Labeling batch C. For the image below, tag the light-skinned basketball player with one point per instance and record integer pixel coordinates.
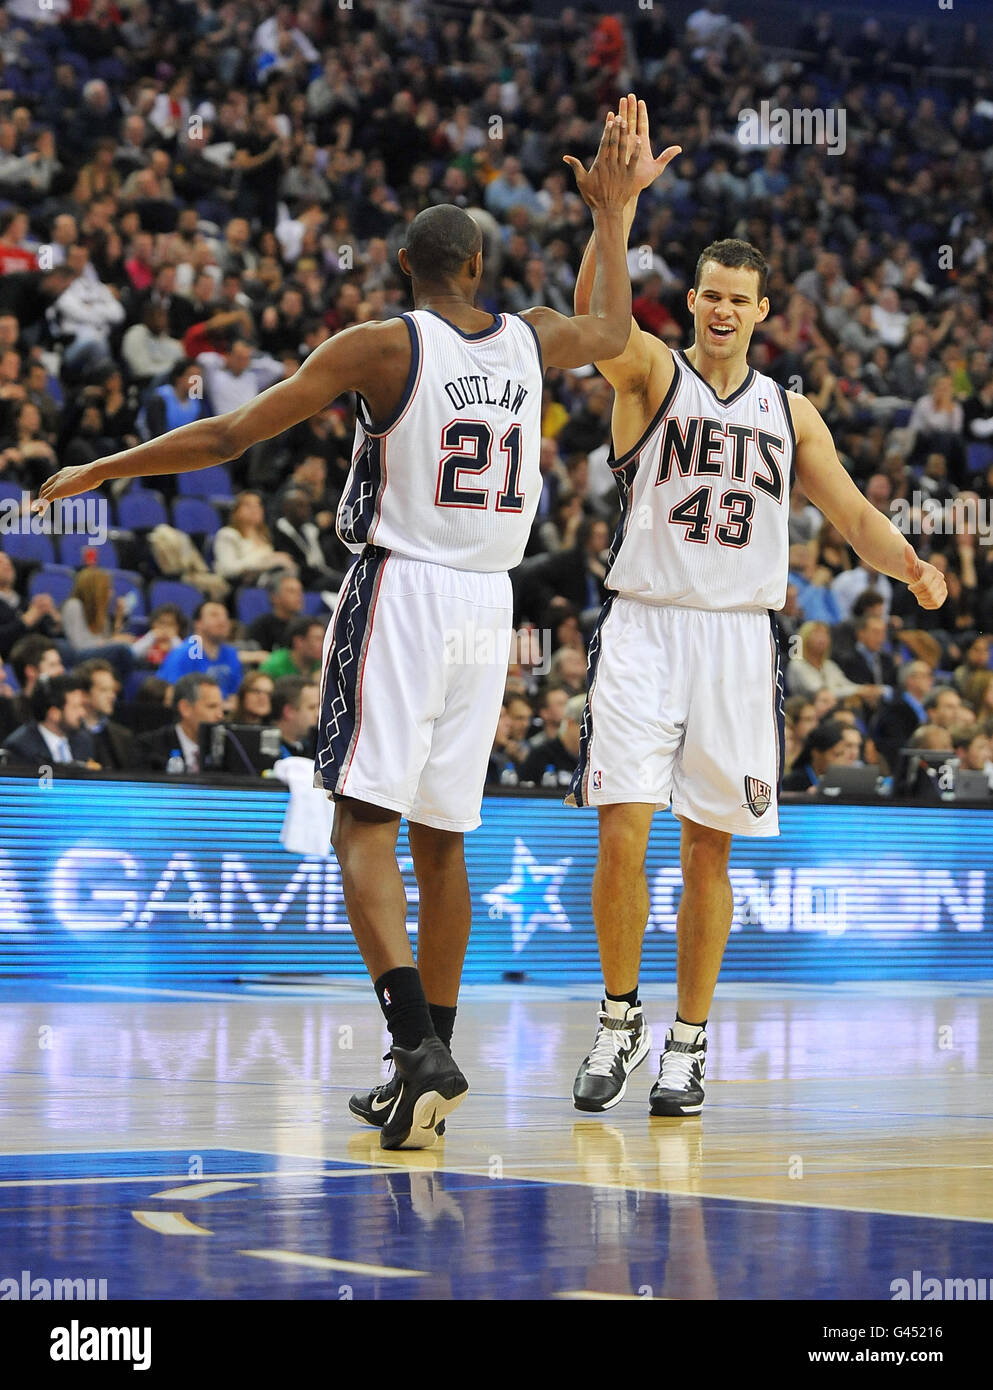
(453, 395)
(684, 699)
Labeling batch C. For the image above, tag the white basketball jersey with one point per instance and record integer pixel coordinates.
(453, 478)
(705, 496)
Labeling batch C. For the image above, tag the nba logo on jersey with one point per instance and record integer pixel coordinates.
(764, 404)
(758, 796)
(596, 780)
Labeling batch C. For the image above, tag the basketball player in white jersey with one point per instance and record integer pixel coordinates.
(438, 506)
(684, 695)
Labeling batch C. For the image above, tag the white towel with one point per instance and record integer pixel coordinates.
(309, 811)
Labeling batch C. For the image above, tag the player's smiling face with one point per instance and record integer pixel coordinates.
(725, 309)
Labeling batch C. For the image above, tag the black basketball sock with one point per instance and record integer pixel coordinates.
(401, 998)
(443, 1019)
(630, 999)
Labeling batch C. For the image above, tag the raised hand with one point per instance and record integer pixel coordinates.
(926, 583)
(610, 181)
(647, 168)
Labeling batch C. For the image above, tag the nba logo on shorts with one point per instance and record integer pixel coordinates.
(758, 796)
(596, 780)
(764, 404)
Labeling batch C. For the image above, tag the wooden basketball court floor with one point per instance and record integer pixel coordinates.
(195, 1144)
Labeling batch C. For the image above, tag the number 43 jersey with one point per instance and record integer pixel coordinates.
(453, 477)
(705, 497)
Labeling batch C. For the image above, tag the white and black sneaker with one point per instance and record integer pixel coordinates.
(427, 1086)
(622, 1042)
(373, 1107)
(679, 1087)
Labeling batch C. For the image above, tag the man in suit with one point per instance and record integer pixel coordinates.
(868, 664)
(295, 709)
(54, 733)
(32, 657)
(897, 719)
(300, 537)
(113, 743)
(196, 700)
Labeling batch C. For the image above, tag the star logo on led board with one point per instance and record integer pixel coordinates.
(530, 897)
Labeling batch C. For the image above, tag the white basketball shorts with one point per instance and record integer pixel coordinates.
(413, 675)
(684, 705)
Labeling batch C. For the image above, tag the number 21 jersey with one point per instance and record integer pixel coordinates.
(705, 498)
(454, 477)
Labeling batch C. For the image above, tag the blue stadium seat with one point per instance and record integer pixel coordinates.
(130, 582)
(901, 417)
(978, 457)
(72, 546)
(141, 509)
(195, 517)
(206, 482)
(56, 580)
(184, 596)
(251, 603)
(11, 492)
(314, 606)
(27, 547)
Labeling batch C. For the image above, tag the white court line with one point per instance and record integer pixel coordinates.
(195, 1192)
(149, 990)
(689, 1196)
(614, 1297)
(169, 1223)
(292, 1257)
(184, 1177)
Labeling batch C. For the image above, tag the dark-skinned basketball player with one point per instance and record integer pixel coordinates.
(438, 506)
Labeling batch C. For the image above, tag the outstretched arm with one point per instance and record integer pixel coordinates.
(630, 370)
(347, 362)
(602, 332)
(873, 536)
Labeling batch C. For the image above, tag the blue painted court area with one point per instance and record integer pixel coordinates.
(299, 1229)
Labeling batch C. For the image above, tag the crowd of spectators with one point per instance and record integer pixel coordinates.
(193, 196)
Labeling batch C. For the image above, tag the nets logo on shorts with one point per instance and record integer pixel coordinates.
(758, 796)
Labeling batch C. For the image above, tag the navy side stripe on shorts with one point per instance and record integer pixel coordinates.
(578, 785)
(779, 700)
(340, 716)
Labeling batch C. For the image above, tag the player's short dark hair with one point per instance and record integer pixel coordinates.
(736, 255)
(440, 240)
(29, 652)
(52, 690)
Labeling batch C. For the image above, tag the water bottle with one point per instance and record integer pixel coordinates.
(177, 762)
(550, 778)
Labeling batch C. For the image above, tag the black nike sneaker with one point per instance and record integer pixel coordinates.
(622, 1043)
(372, 1107)
(427, 1086)
(679, 1087)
